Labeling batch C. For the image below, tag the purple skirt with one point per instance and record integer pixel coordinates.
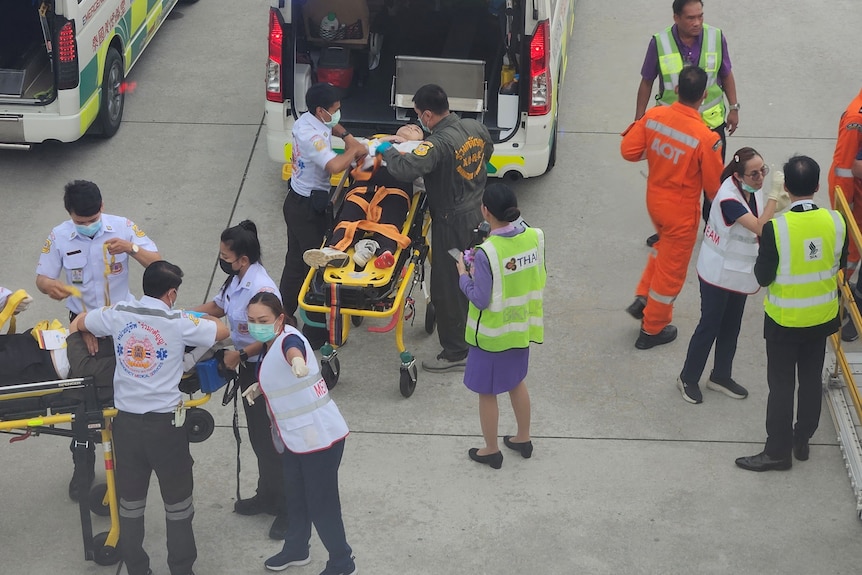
(491, 372)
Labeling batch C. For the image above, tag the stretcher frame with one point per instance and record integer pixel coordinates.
(409, 263)
(839, 385)
(90, 423)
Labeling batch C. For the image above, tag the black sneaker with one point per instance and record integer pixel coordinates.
(647, 341)
(636, 309)
(282, 560)
(253, 506)
(278, 530)
(728, 387)
(690, 391)
(650, 241)
(348, 570)
(848, 332)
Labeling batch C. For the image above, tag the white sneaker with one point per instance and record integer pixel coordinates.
(322, 257)
(364, 251)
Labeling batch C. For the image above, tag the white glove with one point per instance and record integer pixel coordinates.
(777, 185)
(252, 393)
(23, 305)
(298, 367)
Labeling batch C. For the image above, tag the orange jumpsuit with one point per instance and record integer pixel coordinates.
(684, 157)
(848, 145)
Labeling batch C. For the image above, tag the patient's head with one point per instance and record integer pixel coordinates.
(410, 132)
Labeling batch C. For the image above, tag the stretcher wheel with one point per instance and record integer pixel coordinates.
(430, 318)
(356, 320)
(104, 554)
(97, 500)
(199, 424)
(331, 370)
(408, 380)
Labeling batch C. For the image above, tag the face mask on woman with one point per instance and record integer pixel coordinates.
(226, 267)
(262, 332)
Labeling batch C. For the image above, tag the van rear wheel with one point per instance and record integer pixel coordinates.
(113, 96)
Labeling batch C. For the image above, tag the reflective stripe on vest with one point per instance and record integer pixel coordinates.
(673, 133)
(513, 317)
(805, 290)
(670, 65)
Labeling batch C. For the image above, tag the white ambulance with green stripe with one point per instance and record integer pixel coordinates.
(63, 64)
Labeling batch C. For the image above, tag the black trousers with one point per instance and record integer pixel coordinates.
(451, 230)
(722, 133)
(720, 319)
(784, 362)
(145, 444)
(270, 482)
(306, 228)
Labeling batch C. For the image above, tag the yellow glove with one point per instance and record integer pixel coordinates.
(298, 367)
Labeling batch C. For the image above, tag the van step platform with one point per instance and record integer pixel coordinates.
(11, 83)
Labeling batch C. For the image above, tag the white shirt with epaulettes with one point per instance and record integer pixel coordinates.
(87, 264)
(234, 301)
(304, 417)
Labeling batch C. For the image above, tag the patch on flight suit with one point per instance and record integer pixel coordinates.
(47, 247)
(116, 268)
(422, 149)
(318, 143)
(138, 231)
(717, 146)
(855, 126)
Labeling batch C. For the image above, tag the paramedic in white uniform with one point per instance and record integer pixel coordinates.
(239, 257)
(150, 340)
(304, 207)
(85, 251)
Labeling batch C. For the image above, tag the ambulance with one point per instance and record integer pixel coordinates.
(63, 65)
(501, 62)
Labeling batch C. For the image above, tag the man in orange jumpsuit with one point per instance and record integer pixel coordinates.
(684, 157)
(840, 174)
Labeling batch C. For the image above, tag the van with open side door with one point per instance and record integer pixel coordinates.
(501, 62)
(63, 64)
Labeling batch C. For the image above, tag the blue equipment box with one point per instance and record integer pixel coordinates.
(211, 380)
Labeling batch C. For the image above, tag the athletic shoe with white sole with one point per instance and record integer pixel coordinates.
(322, 257)
(728, 387)
(364, 251)
(690, 391)
(282, 561)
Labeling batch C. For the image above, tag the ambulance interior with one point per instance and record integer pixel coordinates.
(380, 51)
(26, 75)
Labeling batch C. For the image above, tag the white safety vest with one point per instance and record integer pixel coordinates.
(728, 253)
(304, 417)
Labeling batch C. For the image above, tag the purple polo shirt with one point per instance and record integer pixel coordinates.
(690, 55)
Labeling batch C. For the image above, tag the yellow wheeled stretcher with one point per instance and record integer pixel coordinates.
(347, 294)
(28, 409)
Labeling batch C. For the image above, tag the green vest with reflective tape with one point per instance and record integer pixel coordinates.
(805, 290)
(513, 318)
(670, 65)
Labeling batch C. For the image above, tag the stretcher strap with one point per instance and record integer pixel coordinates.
(8, 311)
(336, 320)
(109, 265)
(373, 213)
(360, 175)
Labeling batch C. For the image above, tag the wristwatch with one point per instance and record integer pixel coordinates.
(344, 135)
(135, 249)
(243, 356)
(734, 106)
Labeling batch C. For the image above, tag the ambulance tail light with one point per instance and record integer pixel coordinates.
(273, 64)
(67, 57)
(540, 70)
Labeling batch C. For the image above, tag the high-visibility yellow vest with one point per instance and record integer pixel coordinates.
(670, 64)
(513, 318)
(805, 290)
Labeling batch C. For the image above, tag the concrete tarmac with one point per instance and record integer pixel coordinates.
(626, 477)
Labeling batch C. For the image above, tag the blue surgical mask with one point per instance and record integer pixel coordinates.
(333, 119)
(89, 230)
(748, 188)
(262, 331)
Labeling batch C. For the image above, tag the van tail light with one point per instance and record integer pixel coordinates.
(540, 72)
(67, 57)
(273, 64)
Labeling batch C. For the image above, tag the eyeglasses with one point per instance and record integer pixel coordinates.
(757, 174)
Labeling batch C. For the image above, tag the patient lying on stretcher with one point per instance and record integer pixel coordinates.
(373, 213)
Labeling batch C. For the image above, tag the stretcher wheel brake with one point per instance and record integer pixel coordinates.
(104, 554)
(330, 369)
(407, 384)
(97, 500)
(199, 424)
(430, 318)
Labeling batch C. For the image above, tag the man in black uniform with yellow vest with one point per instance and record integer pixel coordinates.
(452, 160)
(800, 254)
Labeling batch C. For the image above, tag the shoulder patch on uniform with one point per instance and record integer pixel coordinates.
(138, 231)
(855, 126)
(319, 143)
(422, 149)
(717, 146)
(47, 247)
(194, 318)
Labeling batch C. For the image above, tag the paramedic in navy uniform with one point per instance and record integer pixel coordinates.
(308, 190)
(239, 257)
(150, 340)
(85, 251)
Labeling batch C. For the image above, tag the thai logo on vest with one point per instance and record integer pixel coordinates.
(813, 249)
(521, 261)
(140, 350)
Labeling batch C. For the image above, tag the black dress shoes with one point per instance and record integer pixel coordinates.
(800, 450)
(636, 309)
(495, 460)
(253, 506)
(762, 462)
(524, 448)
(647, 341)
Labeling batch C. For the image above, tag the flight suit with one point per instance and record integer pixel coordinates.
(846, 148)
